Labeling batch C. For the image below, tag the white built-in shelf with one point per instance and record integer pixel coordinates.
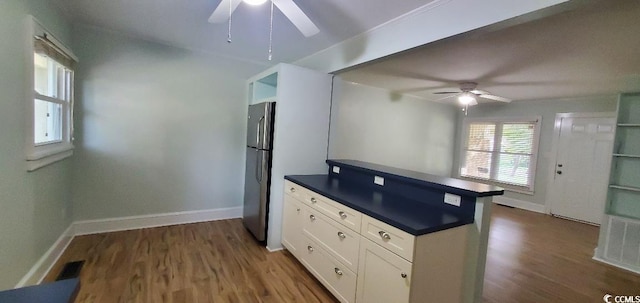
(629, 188)
(628, 124)
(626, 156)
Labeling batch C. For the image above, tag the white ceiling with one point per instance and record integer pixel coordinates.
(184, 24)
(591, 50)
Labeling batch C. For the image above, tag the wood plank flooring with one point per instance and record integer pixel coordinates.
(532, 258)
(203, 262)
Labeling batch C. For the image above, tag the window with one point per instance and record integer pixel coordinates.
(51, 102)
(503, 151)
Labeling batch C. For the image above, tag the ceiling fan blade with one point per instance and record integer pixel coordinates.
(480, 92)
(221, 13)
(442, 93)
(297, 17)
(496, 98)
(447, 97)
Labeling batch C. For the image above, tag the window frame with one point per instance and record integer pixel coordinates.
(42, 154)
(499, 122)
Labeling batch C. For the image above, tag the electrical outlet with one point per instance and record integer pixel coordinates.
(452, 199)
(336, 169)
(378, 180)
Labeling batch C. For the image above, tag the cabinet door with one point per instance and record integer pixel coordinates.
(382, 275)
(292, 225)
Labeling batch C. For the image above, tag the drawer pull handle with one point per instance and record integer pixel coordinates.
(310, 248)
(312, 217)
(384, 235)
(293, 190)
(342, 215)
(403, 275)
(338, 271)
(313, 200)
(297, 209)
(341, 235)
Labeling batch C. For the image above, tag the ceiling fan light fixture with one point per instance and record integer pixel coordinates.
(466, 98)
(254, 2)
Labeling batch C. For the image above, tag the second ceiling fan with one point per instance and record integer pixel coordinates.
(468, 94)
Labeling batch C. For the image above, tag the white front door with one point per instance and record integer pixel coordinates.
(581, 174)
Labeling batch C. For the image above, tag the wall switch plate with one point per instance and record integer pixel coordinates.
(378, 180)
(336, 169)
(452, 199)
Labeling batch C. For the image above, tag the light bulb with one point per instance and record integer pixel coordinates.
(254, 2)
(466, 98)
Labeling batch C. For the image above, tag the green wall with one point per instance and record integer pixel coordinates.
(159, 129)
(35, 206)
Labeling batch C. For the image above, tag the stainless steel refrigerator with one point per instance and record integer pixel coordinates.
(258, 168)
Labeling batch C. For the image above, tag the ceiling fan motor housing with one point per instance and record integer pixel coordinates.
(468, 86)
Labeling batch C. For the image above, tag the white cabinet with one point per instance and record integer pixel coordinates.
(291, 236)
(382, 276)
(361, 259)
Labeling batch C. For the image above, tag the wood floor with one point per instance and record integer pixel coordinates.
(532, 258)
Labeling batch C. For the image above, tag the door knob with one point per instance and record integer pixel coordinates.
(341, 235)
(559, 172)
(312, 217)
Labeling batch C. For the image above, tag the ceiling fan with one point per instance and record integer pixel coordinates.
(468, 94)
(292, 11)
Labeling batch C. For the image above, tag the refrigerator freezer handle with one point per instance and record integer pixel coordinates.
(259, 128)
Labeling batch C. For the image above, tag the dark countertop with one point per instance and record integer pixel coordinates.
(63, 291)
(451, 185)
(408, 215)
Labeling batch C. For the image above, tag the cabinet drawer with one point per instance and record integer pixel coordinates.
(388, 237)
(336, 211)
(340, 281)
(341, 242)
(295, 190)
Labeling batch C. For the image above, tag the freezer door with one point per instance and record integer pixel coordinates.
(259, 125)
(256, 190)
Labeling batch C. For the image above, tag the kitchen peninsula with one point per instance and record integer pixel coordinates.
(372, 233)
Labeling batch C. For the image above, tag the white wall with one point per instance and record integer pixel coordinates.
(436, 20)
(547, 109)
(374, 125)
(35, 206)
(158, 129)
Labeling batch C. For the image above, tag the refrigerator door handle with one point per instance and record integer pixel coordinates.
(258, 129)
(259, 165)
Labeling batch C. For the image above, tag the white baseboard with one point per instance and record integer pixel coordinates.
(618, 265)
(46, 262)
(274, 249)
(146, 221)
(530, 206)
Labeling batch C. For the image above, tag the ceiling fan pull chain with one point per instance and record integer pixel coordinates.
(271, 34)
(229, 34)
